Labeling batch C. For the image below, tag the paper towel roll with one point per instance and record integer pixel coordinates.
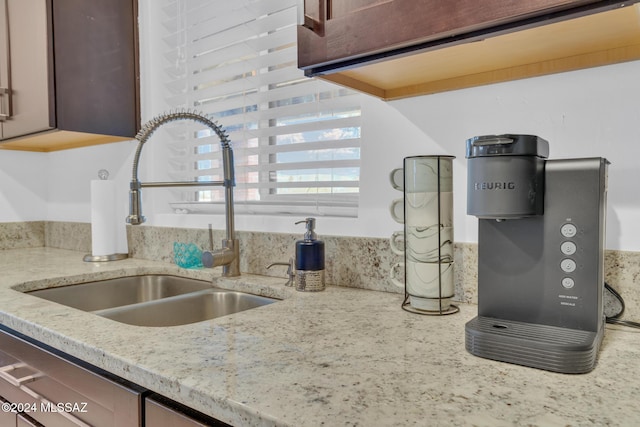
(104, 218)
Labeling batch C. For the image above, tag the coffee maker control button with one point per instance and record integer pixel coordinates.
(568, 248)
(568, 230)
(568, 282)
(568, 265)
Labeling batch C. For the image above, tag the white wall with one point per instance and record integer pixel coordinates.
(69, 187)
(585, 113)
(23, 186)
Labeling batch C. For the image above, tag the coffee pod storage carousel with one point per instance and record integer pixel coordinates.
(426, 242)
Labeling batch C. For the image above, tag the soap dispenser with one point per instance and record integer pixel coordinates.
(309, 259)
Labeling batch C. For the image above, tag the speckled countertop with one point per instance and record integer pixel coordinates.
(340, 357)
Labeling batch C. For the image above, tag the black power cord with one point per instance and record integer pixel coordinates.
(615, 319)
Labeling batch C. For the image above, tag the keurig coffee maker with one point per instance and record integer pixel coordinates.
(541, 235)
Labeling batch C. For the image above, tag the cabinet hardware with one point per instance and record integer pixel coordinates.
(17, 382)
(41, 400)
(5, 93)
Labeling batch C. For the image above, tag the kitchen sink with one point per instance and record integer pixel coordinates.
(184, 309)
(109, 293)
(153, 300)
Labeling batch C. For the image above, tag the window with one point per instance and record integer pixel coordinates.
(296, 140)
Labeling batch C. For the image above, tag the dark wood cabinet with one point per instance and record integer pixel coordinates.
(78, 62)
(396, 48)
(163, 412)
(26, 79)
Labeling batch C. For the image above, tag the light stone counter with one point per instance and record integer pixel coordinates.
(343, 357)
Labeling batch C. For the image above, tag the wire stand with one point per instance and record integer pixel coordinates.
(442, 310)
(406, 306)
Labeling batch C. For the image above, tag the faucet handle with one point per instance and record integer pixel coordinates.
(290, 270)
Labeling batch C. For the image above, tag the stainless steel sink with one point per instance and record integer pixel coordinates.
(109, 293)
(153, 300)
(184, 309)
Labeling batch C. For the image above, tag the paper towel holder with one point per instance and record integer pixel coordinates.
(102, 258)
(103, 174)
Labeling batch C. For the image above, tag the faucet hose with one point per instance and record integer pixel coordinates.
(152, 125)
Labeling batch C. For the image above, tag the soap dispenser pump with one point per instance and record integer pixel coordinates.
(309, 260)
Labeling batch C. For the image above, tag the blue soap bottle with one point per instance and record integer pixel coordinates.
(309, 260)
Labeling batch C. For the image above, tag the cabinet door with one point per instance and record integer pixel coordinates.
(25, 421)
(162, 412)
(69, 66)
(96, 66)
(342, 30)
(25, 76)
(7, 418)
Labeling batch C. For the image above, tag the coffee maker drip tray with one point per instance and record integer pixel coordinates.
(546, 347)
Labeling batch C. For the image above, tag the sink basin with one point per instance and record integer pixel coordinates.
(153, 300)
(183, 309)
(109, 293)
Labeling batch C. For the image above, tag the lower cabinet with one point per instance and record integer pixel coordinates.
(162, 412)
(23, 420)
(41, 386)
(15, 419)
(6, 418)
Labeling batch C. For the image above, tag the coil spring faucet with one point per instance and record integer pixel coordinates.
(229, 255)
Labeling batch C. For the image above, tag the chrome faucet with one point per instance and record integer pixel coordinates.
(229, 255)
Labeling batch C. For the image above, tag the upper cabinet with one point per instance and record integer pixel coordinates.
(397, 48)
(69, 73)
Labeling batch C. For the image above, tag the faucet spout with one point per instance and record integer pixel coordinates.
(229, 255)
(135, 204)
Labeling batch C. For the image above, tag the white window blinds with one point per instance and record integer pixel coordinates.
(296, 140)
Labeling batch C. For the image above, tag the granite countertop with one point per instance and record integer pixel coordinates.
(340, 357)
